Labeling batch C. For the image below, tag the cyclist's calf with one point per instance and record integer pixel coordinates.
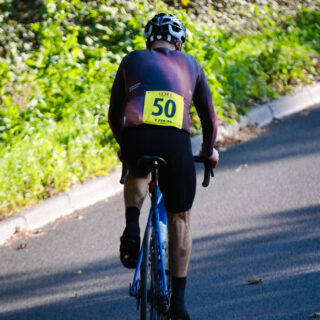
(135, 190)
(180, 243)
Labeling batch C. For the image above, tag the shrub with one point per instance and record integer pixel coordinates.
(58, 60)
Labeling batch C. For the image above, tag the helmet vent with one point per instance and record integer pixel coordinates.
(176, 29)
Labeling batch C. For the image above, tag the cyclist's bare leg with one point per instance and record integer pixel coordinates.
(135, 190)
(180, 243)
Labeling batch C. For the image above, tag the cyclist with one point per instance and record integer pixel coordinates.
(149, 115)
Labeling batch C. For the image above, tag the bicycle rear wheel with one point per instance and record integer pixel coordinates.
(147, 273)
(162, 312)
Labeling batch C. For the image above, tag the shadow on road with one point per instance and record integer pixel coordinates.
(284, 254)
(279, 142)
(281, 253)
(94, 294)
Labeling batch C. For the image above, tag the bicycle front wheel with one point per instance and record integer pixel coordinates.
(147, 274)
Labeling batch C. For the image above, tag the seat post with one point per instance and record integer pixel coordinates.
(154, 182)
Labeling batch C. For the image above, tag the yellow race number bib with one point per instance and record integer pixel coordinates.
(163, 108)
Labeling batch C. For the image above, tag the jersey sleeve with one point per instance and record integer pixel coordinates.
(117, 102)
(202, 99)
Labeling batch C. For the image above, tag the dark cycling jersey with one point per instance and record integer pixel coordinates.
(157, 87)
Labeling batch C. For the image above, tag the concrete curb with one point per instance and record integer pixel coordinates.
(80, 197)
(103, 188)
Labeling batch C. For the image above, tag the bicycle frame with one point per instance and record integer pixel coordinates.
(156, 211)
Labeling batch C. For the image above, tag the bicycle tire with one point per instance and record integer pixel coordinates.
(161, 314)
(147, 272)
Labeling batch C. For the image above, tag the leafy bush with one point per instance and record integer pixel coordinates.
(58, 60)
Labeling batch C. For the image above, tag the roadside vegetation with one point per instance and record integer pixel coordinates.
(58, 60)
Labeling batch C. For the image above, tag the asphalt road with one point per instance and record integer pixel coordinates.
(259, 218)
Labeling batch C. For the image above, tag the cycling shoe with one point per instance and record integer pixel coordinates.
(129, 251)
(178, 313)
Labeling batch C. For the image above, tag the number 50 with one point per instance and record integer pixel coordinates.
(170, 104)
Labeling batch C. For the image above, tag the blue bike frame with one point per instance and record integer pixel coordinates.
(157, 213)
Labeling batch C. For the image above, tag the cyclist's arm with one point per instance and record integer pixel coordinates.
(117, 103)
(202, 99)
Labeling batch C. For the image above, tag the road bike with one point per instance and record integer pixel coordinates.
(151, 285)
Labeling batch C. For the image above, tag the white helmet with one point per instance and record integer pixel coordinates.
(166, 27)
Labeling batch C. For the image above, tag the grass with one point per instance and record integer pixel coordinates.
(58, 60)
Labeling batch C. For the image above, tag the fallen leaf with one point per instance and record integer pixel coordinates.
(78, 273)
(315, 315)
(242, 166)
(254, 280)
(76, 295)
(22, 245)
(37, 233)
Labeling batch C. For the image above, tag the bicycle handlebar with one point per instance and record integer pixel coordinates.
(208, 170)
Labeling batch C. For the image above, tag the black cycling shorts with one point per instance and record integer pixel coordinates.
(177, 180)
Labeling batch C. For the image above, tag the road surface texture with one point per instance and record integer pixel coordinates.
(259, 219)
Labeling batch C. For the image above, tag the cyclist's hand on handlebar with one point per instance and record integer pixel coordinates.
(214, 158)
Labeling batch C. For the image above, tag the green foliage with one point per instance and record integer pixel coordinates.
(58, 60)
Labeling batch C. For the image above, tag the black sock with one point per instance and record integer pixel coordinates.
(132, 215)
(132, 222)
(177, 306)
(178, 288)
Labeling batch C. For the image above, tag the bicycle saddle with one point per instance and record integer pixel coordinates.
(151, 162)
